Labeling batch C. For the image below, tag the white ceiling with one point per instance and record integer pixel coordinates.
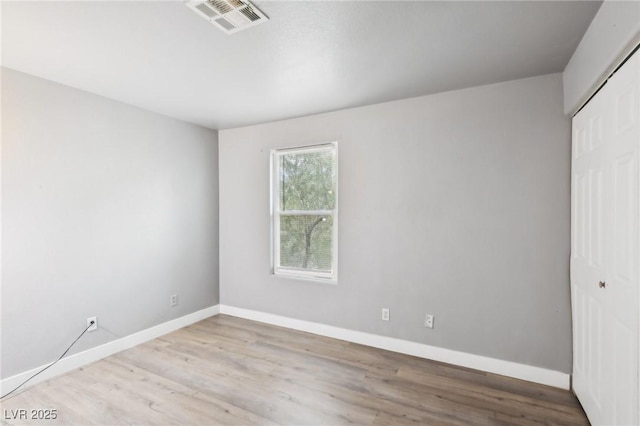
(310, 57)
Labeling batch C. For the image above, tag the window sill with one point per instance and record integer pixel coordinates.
(307, 278)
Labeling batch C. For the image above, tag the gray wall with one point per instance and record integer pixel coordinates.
(616, 24)
(106, 210)
(455, 204)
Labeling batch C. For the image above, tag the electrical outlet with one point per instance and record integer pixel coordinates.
(385, 314)
(93, 327)
(173, 300)
(428, 321)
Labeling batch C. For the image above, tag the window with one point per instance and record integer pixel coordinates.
(304, 200)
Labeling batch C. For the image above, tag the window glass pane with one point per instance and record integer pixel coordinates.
(306, 242)
(307, 180)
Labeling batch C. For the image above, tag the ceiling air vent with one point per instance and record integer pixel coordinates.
(230, 16)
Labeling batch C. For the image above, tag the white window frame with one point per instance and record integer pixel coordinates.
(276, 269)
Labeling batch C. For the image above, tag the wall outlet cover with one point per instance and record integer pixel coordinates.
(94, 327)
(385, 314)
(428, 321)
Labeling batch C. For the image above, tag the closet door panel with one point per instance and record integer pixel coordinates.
(605, 250)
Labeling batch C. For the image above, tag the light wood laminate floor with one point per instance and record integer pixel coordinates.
(226, 370)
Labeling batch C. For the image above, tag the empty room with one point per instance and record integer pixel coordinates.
(234, 212)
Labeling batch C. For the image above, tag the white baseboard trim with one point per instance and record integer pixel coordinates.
(491, 365)
(94, 354)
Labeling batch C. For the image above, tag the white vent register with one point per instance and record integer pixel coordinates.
(230, 16)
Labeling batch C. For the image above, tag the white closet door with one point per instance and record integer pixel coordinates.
(605, 254)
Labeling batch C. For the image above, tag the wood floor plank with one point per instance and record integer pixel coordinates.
(473, 394)
(231, 371)
(233, 386)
